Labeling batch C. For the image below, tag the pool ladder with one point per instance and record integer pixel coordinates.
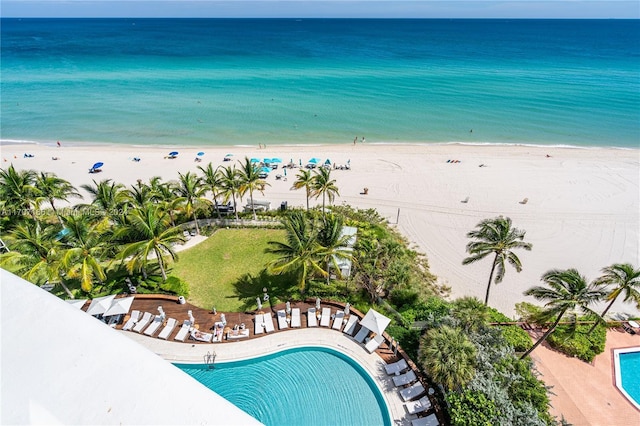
(210, 359)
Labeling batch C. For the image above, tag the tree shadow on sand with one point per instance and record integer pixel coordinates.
(279, 287)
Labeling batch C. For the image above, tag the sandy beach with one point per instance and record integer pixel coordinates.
(582, 206)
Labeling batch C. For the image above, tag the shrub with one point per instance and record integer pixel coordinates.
(175, 286)
(472, 408)
(575, 341)
(513, 334)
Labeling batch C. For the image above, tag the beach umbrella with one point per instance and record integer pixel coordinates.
(191, 318)
(223, 319)
(259, 303)
(97, 165)
(200, 154)
(265, 169)
(375, 322)
(347, 308)
(317, 303)
(161, 312)
(78, 304)
(255, 160)
(267, 160)
(173, 153)
(99, 305)
(288, 307)
(276, 160)
(229, 155)
(119, 306)
(314, 160)
(327, 162)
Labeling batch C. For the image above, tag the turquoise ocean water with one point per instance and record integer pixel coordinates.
(178, 82)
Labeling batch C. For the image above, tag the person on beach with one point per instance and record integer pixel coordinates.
(355, 140)
(363, 139)
(58, 143)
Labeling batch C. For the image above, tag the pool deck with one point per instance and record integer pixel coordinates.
(586, 393)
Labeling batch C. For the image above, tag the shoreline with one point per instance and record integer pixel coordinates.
(582, 209)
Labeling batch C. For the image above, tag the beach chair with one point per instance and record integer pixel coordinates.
(419, 406)
(312, 320)
(430, 420)
(374, 343)
(338, 320)
(166, 331)
(405, 379)
(155, 325)
(282, 319)
(259, 328)
(140, 325)
(350, 327)
(412, 391)
(295, 317)
(396, 367)
(131, 322)
(364, 332)
(326, 317)
(184, 330)
(200, 336)
(268, 323)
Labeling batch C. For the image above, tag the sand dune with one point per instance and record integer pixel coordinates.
(582, 209)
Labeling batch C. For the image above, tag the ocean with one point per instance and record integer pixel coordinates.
(193, 82)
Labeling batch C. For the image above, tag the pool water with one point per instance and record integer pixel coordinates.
(300, 386)
(630, 374)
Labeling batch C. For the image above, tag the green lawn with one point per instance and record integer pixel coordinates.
(227, 270)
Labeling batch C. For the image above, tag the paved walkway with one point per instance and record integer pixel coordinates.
(372, 363)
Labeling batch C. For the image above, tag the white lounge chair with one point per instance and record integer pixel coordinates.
(364, 332)
(140, 325)
(131, 322)
(405, 379)
(412, 391)
(396, 367)
(430, 420)
(325, 320)
(295, 317)
(350, 327)
(312, 320)
(155, 325)
(268, 323)
(282, 319)
(168, 329)
(259, 319)
(374, 343)
(415, 407)
(184, 331)
(200, 335)
(338, 320)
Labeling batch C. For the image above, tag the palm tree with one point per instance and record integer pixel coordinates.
(18, 190)
(324, 185)
(334, 244)
(86, 249)
(211, 178)
(304, 180)
(109, 197)
(230, 184)
(568, 291)
(164, 195)
(139, 195)
(249, 181)
(191, 192)
(624, 279)
(153, 234)
(498, 237)
(448, 356)
(300, 254)
(54, 188)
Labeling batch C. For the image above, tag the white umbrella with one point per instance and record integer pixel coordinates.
(347, 308)
(119, 306)
(318, 303)
(288, 307)
(223, 319)
(191, 318)
(100, 304)
(259, 303)
(77, 303)
(375, 322)
(161, 311)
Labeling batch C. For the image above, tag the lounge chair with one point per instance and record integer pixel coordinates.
(200, 336)
(184, 330)
(374, 343)
(131, 322)
(140, 325)
(430, 420)
(405, 379)
(312, 320)
(412, 391)
(415, 407)
(268, 322)
(282, 319)
(259, 319)
(155, 325)
(168, 329)
(326, 317)
(295, 317)
(396, 367)
(338, 320)
(364, 332)
(236, 333)
(350, 327)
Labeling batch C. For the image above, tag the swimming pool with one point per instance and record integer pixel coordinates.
(316, 386)
(627, 368)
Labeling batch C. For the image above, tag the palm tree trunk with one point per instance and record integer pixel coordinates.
(235, 205)
(215, 203)
(602, 314)
(307, 198)
(55, 211)
(493, 267)
(253, 207)
(544, 336)
(195, 219)
(66, 289)
(159, 257)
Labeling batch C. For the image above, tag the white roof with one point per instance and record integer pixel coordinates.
(61, 366)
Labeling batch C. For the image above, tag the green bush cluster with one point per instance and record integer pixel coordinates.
(472, 408)
(578, 342)
(513, 334)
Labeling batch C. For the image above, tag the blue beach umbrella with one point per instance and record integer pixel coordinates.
(276, 160)
(267, 160)
(255, 160)
(173, 153)
(229, 155)
(314, 160)
(328, 162)
(265, 169)
(97, 165)
(200, 154)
